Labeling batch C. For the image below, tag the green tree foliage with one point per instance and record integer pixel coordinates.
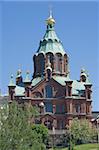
(15, 129)
(41, 130)
(80, 131)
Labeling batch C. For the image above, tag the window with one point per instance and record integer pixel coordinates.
(60, 108)
(78, 108)
(58, 62)
(63, 108)
(48, 107)
(40, 64)
(57, 108)
(49, 92)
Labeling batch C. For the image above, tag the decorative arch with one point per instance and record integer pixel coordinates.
(50, 40)
(37, 94)
(44, 42)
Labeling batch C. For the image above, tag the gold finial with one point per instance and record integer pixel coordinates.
(50, 20)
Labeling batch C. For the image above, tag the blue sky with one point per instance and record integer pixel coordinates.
(23, 25)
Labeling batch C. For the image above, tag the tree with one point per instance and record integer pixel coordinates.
(80, 131)
(15, 129)
(42, 131)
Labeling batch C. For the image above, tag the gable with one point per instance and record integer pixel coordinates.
(57, 89)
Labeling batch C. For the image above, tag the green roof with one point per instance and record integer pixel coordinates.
(50, 42)
(61, 80)
(36, 81)
(19, 91)
(77, 87)
(50, 34)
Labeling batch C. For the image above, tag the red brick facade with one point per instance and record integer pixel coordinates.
(58, 98)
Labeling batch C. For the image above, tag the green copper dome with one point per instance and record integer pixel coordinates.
(50, 41)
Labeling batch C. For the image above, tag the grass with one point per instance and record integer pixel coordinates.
(82, 147)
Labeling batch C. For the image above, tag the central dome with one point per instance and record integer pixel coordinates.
(50, 41)
(50, 49)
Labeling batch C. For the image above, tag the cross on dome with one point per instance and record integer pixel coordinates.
(50, 20)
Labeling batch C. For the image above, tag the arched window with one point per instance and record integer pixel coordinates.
(48, 107)
(60, 108)
(65, 63)
(58, 62)
(48, 91)
(49, 94)
(40, 64)
(78, 108)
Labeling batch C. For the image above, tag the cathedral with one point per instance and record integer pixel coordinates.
(59, 98)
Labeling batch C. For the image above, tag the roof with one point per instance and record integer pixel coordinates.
(77, 87)
(61, 79)
(51, 46)
(50, 42)
(36, 81)
(19, 91)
